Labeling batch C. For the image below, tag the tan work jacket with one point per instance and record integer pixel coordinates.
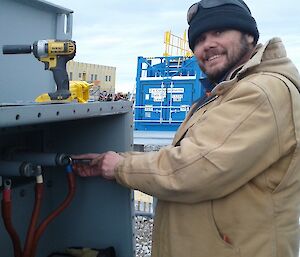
(231, 186)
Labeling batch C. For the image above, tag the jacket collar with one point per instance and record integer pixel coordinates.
(237, 73)
(272, 49)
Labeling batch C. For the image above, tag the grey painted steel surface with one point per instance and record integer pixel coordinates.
(17, 115)
(102, 213)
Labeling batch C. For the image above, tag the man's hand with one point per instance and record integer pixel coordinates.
(101, 165)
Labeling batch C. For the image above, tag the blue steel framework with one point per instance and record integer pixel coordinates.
(165, 89)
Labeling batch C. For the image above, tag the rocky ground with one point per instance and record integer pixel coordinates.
(143, 228)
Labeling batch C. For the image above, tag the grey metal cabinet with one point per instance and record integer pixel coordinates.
(101, 213)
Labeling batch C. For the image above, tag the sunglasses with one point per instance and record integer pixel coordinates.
(213, 3)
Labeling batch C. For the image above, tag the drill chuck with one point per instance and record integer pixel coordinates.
(17, 49)
(40, 49)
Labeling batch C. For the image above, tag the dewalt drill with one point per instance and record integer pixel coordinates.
(54, 54)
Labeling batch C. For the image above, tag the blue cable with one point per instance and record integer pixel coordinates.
(69, 168)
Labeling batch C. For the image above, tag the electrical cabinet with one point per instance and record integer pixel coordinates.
(101, 213)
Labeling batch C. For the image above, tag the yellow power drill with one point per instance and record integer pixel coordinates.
(54, 54)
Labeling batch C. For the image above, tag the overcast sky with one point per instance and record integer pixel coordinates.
(115, 32)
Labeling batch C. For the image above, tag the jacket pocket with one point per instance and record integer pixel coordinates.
(222, 240)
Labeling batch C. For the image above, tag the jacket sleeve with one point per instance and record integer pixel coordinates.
(228, 146)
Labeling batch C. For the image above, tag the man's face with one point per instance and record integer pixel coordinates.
(220, 51)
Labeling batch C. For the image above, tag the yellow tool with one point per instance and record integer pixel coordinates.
(54, 54)
(80, 92)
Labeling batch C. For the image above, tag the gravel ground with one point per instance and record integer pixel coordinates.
(149, 148)
(144, 225)
(143, 228)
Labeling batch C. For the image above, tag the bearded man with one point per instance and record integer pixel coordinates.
(229, 185)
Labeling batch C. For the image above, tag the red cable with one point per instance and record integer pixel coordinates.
(40, 230)
(6, 215)
(39, 187)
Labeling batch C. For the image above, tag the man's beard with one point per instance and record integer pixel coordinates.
(232, 63)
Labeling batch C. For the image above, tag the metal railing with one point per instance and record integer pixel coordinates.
(175, 45)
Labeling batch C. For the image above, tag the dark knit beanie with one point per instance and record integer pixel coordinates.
(227, 16)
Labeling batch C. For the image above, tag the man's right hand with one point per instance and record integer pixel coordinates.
(101, 165)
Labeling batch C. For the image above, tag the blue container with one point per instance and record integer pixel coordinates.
(166, 87)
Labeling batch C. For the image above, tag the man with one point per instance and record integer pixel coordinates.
(229, 185)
